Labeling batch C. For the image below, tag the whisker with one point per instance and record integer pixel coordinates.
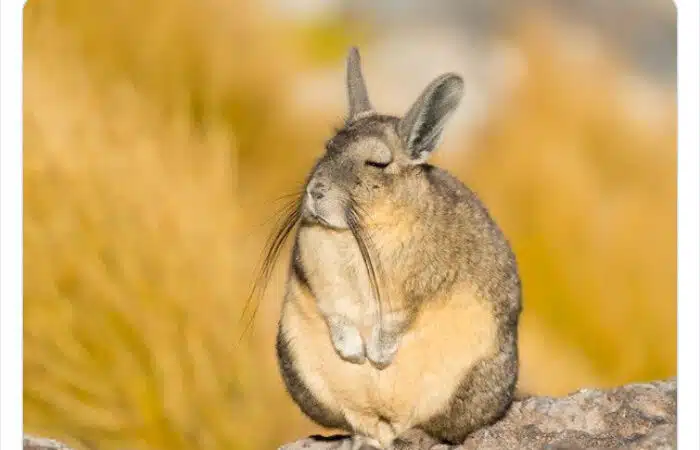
(281, 211)
(295, 195)
(273, 247)
(369, 238)
(367, 249)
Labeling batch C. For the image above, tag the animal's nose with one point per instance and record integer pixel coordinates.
(317, 191)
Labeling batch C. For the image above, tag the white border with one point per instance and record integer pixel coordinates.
(11, 225)
(688, 225)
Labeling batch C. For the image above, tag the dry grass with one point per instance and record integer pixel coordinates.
(137, 258)
(154, 143)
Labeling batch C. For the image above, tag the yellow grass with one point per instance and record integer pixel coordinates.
(587, 193)
(154, 144)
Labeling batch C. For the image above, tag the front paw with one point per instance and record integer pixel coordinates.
(348, 343)
(382, 347)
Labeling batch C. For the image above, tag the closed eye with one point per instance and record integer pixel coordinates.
(377, 164)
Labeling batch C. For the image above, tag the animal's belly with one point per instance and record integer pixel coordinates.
(432, 360)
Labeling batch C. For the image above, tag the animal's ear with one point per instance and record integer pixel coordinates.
(358, 99)
(421, 127)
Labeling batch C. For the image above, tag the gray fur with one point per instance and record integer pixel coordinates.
(358, 98)
(421, 128)
(374, 163)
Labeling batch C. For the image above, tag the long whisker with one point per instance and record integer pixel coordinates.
(282, 211)
(362, 216)
(367, 249)
(273, 247)
(294, 195)
(286, 208)
(368, 238)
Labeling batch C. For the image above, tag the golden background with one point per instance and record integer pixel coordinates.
(157, 139)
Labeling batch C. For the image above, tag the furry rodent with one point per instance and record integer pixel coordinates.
(403, 296)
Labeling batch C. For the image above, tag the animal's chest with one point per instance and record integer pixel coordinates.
(337, 275)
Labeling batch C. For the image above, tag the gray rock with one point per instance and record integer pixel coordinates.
(635, 416)
(37, 443)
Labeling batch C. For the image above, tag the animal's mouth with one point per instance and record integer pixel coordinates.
(311, 217)
(315, 219)
(310, 212)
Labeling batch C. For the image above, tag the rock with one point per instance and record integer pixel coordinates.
(36, 443)
(635, 416)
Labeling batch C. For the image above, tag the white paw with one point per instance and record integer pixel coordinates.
(347, 341)
(382, 348)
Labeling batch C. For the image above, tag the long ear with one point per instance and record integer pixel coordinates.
(358, 99)
(421, 127)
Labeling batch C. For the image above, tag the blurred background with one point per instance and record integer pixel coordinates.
(159, 136)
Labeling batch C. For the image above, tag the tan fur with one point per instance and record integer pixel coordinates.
(420, 381)
(334, 258)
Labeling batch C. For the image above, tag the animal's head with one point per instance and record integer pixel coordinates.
(375, 159)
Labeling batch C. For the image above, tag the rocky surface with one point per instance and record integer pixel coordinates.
(37, 443)
(635, 416)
